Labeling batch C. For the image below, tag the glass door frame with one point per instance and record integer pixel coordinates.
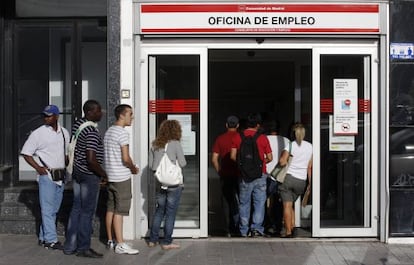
(371, 192)
(144, 95)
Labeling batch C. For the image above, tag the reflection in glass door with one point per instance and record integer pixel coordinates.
(57, 63)
(175, 92)
(345, 184)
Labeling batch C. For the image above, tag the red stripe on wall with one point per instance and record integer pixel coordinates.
(174, 106)
(267, 8)
(364, 105)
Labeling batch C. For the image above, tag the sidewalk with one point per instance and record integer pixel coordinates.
(23, 250)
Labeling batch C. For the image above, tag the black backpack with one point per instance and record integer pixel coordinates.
(248, 158)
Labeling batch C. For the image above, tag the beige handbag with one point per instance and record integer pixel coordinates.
(279, 172)
(306, 208)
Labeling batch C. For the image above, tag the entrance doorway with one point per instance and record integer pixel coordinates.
(202, 84)
(273, 82)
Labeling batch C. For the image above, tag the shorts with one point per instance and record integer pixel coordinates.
(291, 188)
(119, 197)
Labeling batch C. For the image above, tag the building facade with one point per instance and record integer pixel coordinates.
(341, 68)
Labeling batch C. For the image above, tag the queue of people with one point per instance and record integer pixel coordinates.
(249, 194)
(256, 204)
(98, 162)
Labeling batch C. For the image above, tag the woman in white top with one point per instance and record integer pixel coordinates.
(300, 170)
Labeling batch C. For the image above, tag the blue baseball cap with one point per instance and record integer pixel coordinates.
(51, 110)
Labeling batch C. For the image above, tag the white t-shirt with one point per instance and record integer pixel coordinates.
(115, 138)
(48, 144)
(301, 155)
(278, 144)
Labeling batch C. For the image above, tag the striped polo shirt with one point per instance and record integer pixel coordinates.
(89, 139)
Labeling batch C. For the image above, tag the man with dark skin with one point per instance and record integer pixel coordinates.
(48, 143)
(88, 174)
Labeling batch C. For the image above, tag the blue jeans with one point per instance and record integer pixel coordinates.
(166, 209)
(256, 191)
(85, 198)
(50, 198)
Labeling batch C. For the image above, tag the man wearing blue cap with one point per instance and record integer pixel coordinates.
(48, 143)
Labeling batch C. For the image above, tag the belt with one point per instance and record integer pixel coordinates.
(170, 187)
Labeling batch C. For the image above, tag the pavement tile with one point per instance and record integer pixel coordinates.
(23, 249)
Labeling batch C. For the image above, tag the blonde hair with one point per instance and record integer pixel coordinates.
(299, 131)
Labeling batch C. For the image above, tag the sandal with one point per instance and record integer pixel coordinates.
(170, 246)
(151, 244)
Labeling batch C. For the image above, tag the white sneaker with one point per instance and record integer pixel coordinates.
(110, 244)
(123, 248)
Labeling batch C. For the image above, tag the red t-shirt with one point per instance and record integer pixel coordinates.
(263, 145)
(222, 146)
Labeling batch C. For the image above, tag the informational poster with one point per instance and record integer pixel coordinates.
(402, 50)
(345, 120)
(340, 143)
(188, 136)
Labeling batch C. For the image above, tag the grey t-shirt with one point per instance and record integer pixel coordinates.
(174, 153)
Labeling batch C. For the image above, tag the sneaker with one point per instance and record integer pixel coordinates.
(53, 246)
(124, 248)
(256, 233)
(41, 242)
(110, 244)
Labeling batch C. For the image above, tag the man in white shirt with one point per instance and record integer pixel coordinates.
(48, 143)
(119, 167)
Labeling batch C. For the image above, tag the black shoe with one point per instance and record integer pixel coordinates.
(69, 252)
(295, 232)
(272, 234)
(40, 242)
(53, 246)
(90, 253)
(256, 233)
(96, 253)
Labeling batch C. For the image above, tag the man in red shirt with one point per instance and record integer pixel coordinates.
(228, 172)
(252, 190)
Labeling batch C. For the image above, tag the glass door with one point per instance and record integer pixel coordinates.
(177, 89)
(345, 132)
(57, 63)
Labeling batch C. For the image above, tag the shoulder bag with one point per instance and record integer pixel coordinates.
(279, 172)
(168, 173)
(72, 144)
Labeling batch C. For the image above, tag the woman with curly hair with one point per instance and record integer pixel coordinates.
(168, 197)
(298, 173)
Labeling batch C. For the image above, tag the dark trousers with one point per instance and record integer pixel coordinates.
(230, 202)
(274, 208)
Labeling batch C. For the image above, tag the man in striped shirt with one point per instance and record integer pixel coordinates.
(119, 167)
(87, 175)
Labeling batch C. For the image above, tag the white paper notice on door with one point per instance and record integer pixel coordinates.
(340, 142)
(345, 106)
(188, 136)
